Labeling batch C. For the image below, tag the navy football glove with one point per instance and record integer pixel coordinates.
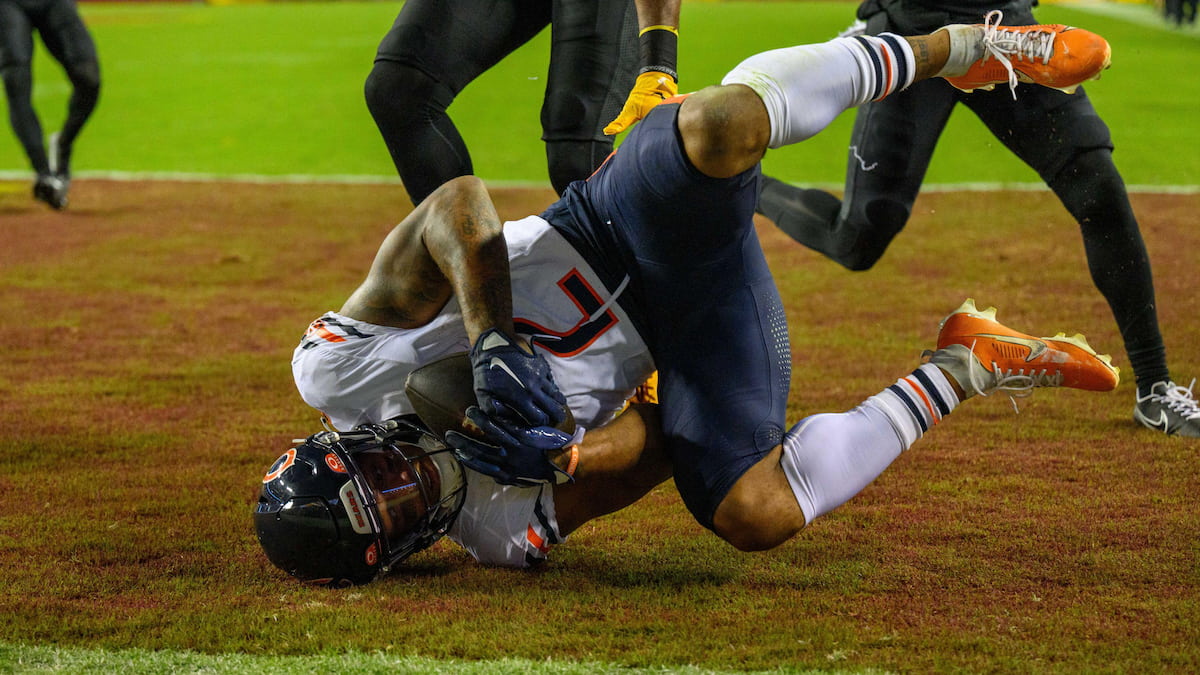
(512, 455)
(513, 385)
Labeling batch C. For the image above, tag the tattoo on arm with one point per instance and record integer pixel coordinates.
(922, 54)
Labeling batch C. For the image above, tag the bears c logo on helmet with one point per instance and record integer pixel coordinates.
(335, 463)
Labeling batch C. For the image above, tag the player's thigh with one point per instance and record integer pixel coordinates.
(724, 377)
(454, 41)
(65, 35)
(667, 214)
(16, 35)
(1044, 127)
(593, 62)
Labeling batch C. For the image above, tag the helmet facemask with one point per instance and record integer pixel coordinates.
(409, 503)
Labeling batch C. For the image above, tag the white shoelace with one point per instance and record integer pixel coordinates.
(1179, 399)
(1006, 45)
(1016, 383)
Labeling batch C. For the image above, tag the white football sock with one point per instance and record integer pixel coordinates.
(831, 457)
(806, 87)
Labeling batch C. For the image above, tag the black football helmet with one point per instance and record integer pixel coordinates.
(341, 508)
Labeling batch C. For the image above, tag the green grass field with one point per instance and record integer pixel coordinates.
(145, 384)
(264, 89)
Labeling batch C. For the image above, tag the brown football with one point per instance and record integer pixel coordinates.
(441, 391)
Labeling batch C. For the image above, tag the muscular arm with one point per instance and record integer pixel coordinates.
(452, 243)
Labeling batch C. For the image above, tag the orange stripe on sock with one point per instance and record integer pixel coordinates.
(933, 415)
(890, 72)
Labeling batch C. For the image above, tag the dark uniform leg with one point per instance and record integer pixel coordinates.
(67, 39)
(890, 149)
(16, 58)
(1062, 138)
(701, 294)
(433, 50)
(593, 62)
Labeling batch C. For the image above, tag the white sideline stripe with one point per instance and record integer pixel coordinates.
(190, 177)
(253, 178)
(356, 179)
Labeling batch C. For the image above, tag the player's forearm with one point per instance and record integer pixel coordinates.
(657, 13)
(658, 37)
(629, 448)
(467, 242)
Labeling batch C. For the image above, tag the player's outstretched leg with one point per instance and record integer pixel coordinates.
(828, 458)
(1053, 55)
(806, 87)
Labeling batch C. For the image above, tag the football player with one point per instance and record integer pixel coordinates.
(653, 262)
(67, 39)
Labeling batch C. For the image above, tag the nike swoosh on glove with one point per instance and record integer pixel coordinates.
(650, 89)
(514, 385)
(512, 455)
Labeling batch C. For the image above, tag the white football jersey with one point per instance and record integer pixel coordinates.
(354, 373)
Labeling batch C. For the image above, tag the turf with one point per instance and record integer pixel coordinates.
(146, 386)
(265, 89)
(146, 662)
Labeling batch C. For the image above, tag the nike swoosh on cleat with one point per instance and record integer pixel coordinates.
(1035, 347)
(497, 362)
(1162, 423)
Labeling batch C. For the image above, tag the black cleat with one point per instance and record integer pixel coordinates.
(52, 190)
(1169, 408)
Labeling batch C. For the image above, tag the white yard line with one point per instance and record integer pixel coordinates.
(353, 179)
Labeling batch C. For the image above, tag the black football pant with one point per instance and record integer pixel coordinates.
(437, 47)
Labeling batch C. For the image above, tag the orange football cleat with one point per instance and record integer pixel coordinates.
(1052, 55)
(1013, 361)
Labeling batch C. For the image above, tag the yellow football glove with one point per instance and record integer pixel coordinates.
(652, 87)
(646, 392)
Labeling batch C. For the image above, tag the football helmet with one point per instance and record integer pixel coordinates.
(342, 508)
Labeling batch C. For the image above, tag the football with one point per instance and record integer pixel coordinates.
(441, 391)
